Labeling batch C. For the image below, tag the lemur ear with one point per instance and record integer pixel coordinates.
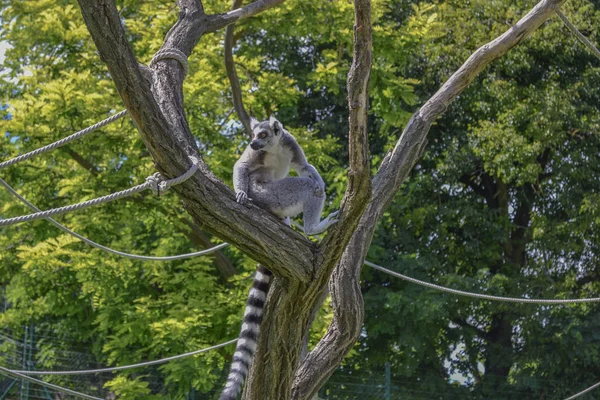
(275, 125)
(253, 123)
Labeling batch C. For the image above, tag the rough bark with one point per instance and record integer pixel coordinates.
(302, 269)
(318, 366)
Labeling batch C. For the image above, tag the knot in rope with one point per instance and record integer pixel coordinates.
(171, 53)
(159, 185)
(154, 181)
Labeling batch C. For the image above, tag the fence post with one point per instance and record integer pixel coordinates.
(24, 392)
(388, 381)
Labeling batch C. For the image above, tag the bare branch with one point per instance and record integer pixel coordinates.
(156, 108)
(586, 42)
(345, 292)
(318, 366)
(398, 163)
(358, 192)
(82, 161)
(236, 90)
(218, 21)
(359, 176)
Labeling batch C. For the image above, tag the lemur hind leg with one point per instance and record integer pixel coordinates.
(313, 208)
(291, 196)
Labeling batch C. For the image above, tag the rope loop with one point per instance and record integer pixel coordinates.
(171, 53)
(159, 185)
(154, 181)
(166, 184)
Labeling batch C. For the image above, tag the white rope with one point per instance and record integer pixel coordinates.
(108, 249)
(584, 391)
(478, 295)
(64, 141)
(124, 367)
(151, 183)
(18, 375)
(586, 42)
(168, 53)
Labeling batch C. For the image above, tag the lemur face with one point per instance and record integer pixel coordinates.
(265, 134)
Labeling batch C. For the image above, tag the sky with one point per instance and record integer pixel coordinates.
(3, 47)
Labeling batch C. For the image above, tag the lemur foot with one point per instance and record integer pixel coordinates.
(323, 225)
(242, 197)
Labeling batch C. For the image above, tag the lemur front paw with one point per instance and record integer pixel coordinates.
(242, 197)
(332, 218)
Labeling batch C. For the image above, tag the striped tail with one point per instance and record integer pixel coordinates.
(246, 345)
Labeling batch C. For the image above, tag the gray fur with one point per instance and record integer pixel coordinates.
(261, 175)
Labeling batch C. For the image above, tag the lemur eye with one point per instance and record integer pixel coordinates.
(262, 135)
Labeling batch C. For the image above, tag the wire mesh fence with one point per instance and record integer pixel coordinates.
(31, 350)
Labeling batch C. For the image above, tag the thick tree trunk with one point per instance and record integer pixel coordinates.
(498, 353)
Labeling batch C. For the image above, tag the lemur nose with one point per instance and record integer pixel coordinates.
(254, 145)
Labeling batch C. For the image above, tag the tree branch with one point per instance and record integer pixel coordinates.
(465, 325)
(397, 163)
(156, 108)
(345, 291)
(79, 159)
(358, 191)
(218, 21)
(318, 366)
(236, 90)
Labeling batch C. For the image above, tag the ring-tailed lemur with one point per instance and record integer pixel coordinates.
(261, 175)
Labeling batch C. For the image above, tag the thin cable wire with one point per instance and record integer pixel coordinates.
(586, 42)
(64, 141)
(152, 182)
(18, 375)
(124, 367)
(478, 295)
(584, 391)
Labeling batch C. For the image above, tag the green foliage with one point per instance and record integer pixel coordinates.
(504, 201)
